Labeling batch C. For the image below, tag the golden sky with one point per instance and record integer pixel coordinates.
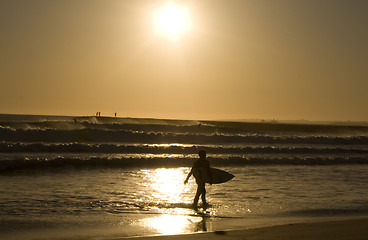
(234, 59)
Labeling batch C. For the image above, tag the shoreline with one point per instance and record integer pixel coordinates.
(326, 228)
(145, 227)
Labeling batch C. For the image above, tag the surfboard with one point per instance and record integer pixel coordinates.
(218, 176)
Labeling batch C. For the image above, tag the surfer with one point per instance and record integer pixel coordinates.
(200, 169)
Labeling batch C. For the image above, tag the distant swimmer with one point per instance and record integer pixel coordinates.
(200, 170)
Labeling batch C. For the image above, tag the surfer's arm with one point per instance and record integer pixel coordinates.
(189, 174)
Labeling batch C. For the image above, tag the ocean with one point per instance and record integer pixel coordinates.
(92, 177)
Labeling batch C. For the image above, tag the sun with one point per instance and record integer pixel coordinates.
(172, 20)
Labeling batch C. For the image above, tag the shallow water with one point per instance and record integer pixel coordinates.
(154, 200)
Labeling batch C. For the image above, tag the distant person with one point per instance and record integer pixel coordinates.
(115, 114)
(200, 170)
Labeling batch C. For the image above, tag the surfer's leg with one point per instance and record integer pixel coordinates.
(196, 198)
(200, 191)
(204, 196)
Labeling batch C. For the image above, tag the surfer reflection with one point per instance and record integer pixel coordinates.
(202, 226)
(202, 174)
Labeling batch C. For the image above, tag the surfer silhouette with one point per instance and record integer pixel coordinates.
(200, 170)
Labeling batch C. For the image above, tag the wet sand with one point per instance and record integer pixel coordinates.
(352, 229)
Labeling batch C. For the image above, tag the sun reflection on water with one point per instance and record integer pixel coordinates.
(166, 191)
(175, 224)
(166, 184)
(170, 145)
(163, 193)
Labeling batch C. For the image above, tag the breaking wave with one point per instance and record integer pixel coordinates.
(36, 142)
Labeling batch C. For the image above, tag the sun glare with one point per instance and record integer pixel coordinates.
(172, 20)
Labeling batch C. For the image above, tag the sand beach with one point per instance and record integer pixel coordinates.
(337, 229)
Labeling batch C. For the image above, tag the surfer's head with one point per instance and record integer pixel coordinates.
(202, 154)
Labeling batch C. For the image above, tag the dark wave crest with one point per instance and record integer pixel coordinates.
(174, 148)
(129, 136)
(30, 164)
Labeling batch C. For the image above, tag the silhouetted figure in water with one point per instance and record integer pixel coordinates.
(200, 169)
(115, 114)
